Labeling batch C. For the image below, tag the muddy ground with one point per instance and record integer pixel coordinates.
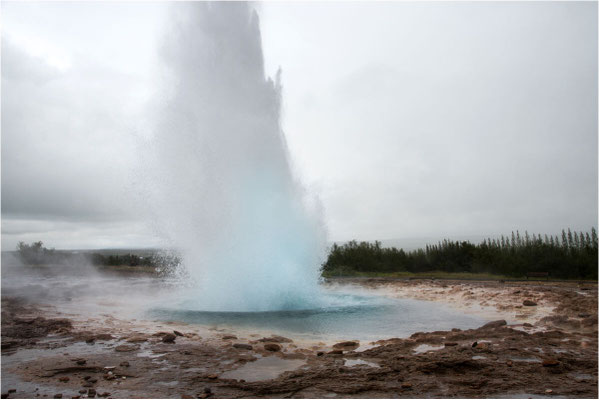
(548, 349)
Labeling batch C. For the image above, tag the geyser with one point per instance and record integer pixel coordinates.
(221, 186)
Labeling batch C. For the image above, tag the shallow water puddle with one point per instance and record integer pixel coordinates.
(525, 359)
(423, 348)
(263, 369)
(357, 361)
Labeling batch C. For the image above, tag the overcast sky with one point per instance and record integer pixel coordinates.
(408, 120)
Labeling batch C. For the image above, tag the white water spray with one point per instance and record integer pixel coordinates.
(221, 185)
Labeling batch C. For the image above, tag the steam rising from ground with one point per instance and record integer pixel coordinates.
(219, 178)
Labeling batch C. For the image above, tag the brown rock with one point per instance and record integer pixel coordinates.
(212, 376)
(243, 346)
(58, 396)
(343, 345)
(91, 392)
(125, 348)
(177, 333)
(529, 303)
(338, 351)
(450, 344)
(550, 362)
(136, 339)
(64, 379)
(272, 347)
(169, 338)
(229, 337)
(406, 385)
(275, 339)
(124, 364)
(494, 324)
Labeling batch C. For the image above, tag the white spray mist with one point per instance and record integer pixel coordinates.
(220, 182)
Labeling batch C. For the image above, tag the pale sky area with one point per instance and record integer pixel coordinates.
(424, 120)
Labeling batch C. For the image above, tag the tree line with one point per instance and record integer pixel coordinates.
(573, 255)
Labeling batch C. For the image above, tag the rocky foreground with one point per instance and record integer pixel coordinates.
(552, 354)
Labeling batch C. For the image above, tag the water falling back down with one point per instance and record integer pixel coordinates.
(221, 186)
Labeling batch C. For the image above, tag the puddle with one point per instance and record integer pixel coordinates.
(525, 359)
(582, 377)
(423, 348)
(149, 354)
(76, 349)
(263, 369)
(357, 361)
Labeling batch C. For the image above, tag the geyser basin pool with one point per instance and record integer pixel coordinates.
(365, 318)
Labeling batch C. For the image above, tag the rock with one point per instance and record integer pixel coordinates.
(529, 303)
(229, 337)
(91, 392)
(474, 344)
(272, 347)
(83, 391)
(275, 339)
(88, 384)
(450, 344)
(320, 353)
(125, 348)
(87, 378)
(483, 346)
(124, 364)
(526, 324)
(243, 346)
(105, 394)
(548, 391)
(110, 368)
(338, 351)
(58, 396)
(12, 390)
(177, 333)
(207, 390)
(343, 345)
(212, 376)
(169, 338)
(64, 379)
(494, 324)
(584, 315)
(93, 380)
(406, 385)
(4, 396)
(509, 363)
(137, 339)
(550, 362)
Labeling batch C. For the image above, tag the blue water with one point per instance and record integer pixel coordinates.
(364, 318)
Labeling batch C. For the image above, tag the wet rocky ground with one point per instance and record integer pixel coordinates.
(546, 348)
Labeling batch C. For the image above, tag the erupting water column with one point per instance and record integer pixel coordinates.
(222, 188)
